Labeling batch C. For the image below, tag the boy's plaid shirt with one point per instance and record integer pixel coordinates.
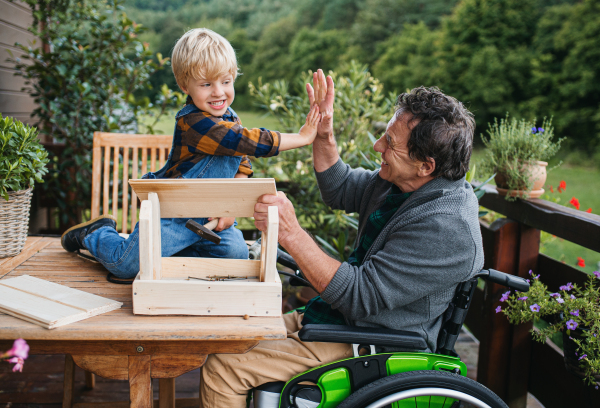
(317, 311)
(199, 134)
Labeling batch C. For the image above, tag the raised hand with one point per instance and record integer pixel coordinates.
(322, 95)
(309, 130)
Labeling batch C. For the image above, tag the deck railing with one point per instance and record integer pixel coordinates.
(510, 362)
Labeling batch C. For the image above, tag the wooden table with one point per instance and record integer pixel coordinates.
(118, 344)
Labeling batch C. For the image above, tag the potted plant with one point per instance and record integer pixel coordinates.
(515, 152)
(22, 162)
(572, 311)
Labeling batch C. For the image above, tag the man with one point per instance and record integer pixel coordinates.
(418, 238)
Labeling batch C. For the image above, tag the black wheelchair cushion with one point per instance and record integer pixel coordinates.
(331, 333)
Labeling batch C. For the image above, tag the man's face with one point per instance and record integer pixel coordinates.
(212, 96)
(396, 165)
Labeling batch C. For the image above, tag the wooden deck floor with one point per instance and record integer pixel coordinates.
(40, 384)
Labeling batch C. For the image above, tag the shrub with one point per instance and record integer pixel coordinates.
(22, 159)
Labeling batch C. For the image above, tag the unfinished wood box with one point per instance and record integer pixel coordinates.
(163, 286)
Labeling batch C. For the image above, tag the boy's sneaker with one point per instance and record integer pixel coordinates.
(72, 239)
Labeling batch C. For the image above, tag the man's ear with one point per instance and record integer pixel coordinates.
(426, 168)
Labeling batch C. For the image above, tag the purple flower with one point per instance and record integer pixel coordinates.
(560, 300)
(567, 287)
(533, 129)
(597, 274)
(504, 297)
(528, 281)
(555, 295)
(575, 312)
(584, 356)
(498, 309)
(19, 349)
(541, 130)
(535, 308)
(524, 298)
(573, 297)
(572, 324)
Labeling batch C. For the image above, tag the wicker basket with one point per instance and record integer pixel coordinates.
(14, 222)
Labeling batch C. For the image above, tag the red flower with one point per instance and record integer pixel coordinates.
(562, 186)
(574, 202)
(551, 189)
(589, 210)
(580, 262)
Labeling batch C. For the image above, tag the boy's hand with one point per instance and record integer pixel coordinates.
(224, 223)
(309, 130)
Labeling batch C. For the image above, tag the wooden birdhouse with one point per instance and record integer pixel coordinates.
(195, 286)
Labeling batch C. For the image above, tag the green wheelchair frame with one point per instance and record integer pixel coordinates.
(397, 379)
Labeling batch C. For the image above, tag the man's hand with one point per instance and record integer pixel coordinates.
(288, 223)
(323, 96)
(224, 223)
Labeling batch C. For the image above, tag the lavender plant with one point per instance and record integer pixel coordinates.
(577, 308)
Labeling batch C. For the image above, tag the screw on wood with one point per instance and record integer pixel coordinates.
(140, 349)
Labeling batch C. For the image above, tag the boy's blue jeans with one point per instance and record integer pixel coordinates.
(122, 256)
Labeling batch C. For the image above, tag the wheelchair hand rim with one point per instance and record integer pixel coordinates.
(437, 392)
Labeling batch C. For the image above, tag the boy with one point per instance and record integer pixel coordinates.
(208, 142)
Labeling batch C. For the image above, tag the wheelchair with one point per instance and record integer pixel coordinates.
(413, 379)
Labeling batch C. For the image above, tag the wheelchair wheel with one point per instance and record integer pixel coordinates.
(423, 389)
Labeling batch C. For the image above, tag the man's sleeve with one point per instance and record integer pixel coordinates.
(200, 132)
(342, 188)
(406, 269)
(246, 166)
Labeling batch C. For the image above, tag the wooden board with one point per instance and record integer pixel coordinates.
(48, 304)
(198, 198)
(202, 298)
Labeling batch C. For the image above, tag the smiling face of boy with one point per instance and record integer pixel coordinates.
(213, 96)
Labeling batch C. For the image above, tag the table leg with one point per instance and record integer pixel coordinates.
(90, 380)
(166, 393)
(140, 383)
(69, 382)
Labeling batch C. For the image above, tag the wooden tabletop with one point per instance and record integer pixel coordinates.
(44, 258)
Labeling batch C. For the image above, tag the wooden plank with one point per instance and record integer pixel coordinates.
(140, 383)
(156, 248)
(10, 34)
(32, 246)
(96, 172)
(172, 366)
(181, 198)
(48, 304)
(69, 382)
(161, 157)
(134, 200)
(15, 102)
(9, 81)
(552, 385)
(554, 273)
(113, 367)
(115, 189)
(10, 52)
(152, 159)
(183, 267)
(90, 380)
(106, 182)
(125, 191)
(166, 393)
(137, 140)
(201, 298)
(125, 348)
(573, 225)
(145, 241)
(15, 15)
(144, 164)
(270, 260)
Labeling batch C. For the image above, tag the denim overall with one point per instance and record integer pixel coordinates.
(122, 256)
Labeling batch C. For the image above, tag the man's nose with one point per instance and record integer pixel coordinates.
(379, 145)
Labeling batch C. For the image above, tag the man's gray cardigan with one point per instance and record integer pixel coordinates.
(409, 275)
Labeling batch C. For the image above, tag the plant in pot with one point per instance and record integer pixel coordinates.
(22, 162)
(516, 150)
(573, 311)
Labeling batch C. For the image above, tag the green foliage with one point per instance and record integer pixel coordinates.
(514, 144)
(84, 80)
(570, 308)
(360, 108)
(22, 159)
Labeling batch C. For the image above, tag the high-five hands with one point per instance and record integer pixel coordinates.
(323, 96)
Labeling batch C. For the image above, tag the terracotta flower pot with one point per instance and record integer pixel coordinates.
(537, 174)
